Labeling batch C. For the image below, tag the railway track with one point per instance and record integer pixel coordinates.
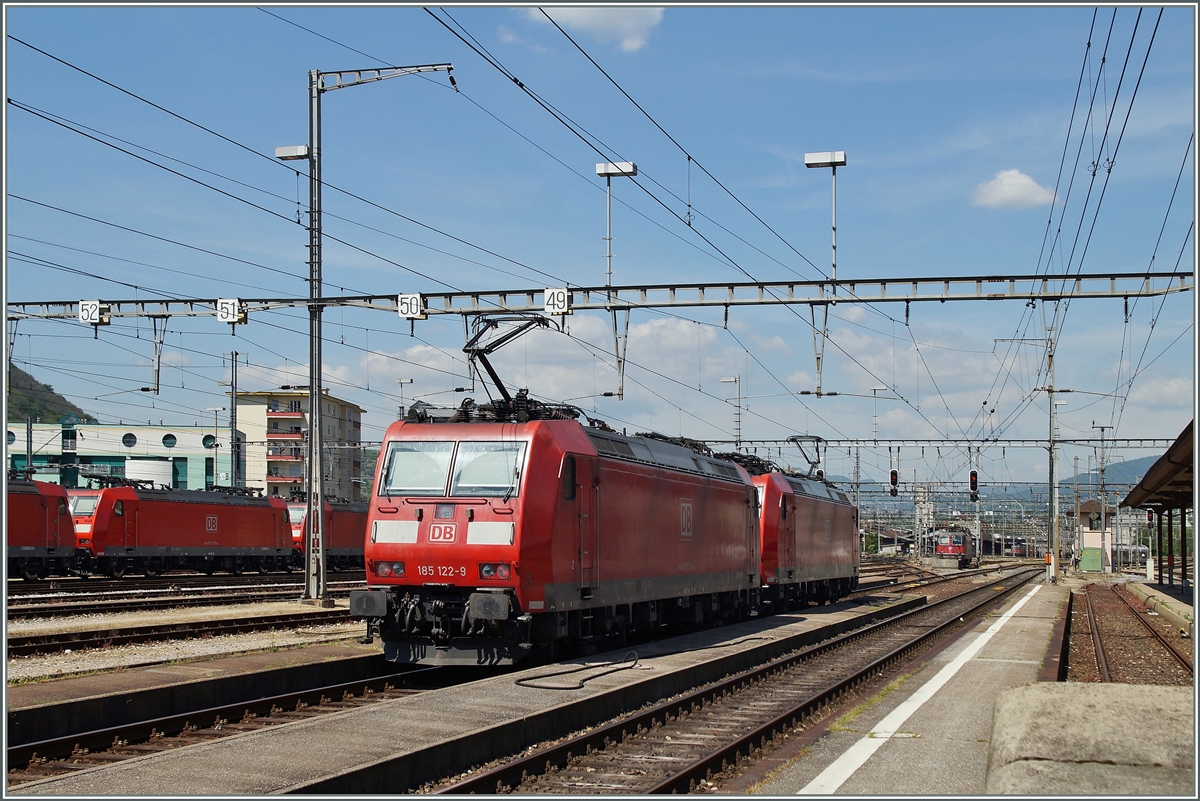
(921, 581)
(88, 749)
(174, 597)
(1119, 645)
(60, 587)
(103, 638)
(687, 744)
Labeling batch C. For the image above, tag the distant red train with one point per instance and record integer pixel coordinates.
(39, 531)
(488, 540)
(955, 545)
(135, 530)
(345, 528)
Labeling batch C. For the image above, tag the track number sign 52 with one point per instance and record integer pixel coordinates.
(558, 300)
(93, 312)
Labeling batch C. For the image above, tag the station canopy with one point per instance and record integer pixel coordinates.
(1169, 483)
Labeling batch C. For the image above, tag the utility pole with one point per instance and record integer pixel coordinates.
(315, 589)
(234, 447)
(1050, 390)
(1112, 543)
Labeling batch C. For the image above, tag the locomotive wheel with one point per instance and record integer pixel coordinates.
(31, 573)
(117, 570)
(238, 568)
(264, 567)
(151, 570)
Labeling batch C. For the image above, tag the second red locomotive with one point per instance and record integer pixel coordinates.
(39, 531)
(137, 530)
(344, 529)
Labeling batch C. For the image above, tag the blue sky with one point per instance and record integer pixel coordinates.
(954, 121)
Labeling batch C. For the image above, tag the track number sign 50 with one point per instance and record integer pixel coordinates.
(410, 307)
(558, 300)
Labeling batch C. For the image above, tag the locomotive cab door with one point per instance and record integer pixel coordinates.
(586, 513)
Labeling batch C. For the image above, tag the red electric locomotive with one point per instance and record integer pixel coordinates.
(344, 531)
(955, 545)
(488, 539)
(39, 530)
(133, 529)
(809, 535)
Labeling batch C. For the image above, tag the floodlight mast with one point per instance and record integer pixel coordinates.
(315, 589)
(608, 169)
(832, 159)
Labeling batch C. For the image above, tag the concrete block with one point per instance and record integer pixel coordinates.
(1084, 739)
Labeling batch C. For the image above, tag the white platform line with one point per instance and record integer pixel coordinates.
(856, 756)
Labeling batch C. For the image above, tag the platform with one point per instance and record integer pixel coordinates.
(926, 732)
(393, 746)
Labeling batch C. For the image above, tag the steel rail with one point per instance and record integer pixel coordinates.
(1097, 646)
(32, 611)
(96, 638)
(103, 586)
(1183, 660)
(512, 773)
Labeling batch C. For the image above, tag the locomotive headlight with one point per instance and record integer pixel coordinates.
(398, 569)
(84, 541)
(499, 571)
(383, 569)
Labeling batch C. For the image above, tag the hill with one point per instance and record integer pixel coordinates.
(28, 397)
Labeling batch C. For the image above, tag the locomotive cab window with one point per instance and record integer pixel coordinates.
(84, 505)
(416, 468)
(119, 508)
(568, 478)
(490, 469)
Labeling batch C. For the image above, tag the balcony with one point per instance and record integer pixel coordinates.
(284, 479)
(283, 457)
(294, 434)
(280, 415)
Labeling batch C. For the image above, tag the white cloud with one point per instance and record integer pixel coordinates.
(1011, 189)
(507, 36)
(629, 26)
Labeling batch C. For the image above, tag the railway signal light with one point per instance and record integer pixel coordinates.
(974, 485)
(895, 479)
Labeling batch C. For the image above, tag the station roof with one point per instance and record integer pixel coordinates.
(1170, 482)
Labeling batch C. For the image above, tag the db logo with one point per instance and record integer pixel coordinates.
(210, 523)
(685, 518)
(441, 532)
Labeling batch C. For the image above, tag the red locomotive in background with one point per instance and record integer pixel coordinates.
(344, 528)
(139, 530)
(955, 545)
(39, 531)
(809, 535)
(487, 540)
